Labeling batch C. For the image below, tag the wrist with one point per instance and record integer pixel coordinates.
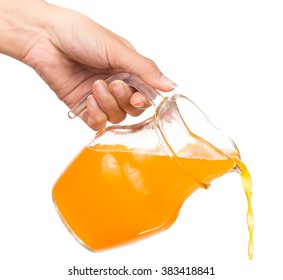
(21, 23)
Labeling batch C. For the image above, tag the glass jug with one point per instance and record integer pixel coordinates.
(131, 181)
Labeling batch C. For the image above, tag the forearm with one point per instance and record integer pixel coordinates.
(21, 22)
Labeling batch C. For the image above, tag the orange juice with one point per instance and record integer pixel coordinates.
(111, 195)
(247, 185)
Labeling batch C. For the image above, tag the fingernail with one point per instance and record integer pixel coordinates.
(100, 88)
(92, 102)
(167, 82)
(139, 104)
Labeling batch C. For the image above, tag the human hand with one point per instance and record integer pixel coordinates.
(74, 54)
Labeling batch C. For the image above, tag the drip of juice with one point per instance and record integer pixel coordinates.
(247, 184)
(111, 195)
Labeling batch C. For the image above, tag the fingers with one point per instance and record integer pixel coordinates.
(107, 102)
(112, 103)
(94, 117)
(130, 101)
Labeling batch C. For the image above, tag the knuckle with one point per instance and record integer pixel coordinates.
(151, 64)
(136, 112)
(97, 123)
(117, 118)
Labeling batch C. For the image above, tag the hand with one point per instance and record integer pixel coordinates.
(74, 54)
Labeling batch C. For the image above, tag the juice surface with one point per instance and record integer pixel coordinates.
(110, 195)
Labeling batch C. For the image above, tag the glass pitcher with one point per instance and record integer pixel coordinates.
(130, 182)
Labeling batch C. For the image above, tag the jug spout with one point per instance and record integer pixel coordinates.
(188, 134)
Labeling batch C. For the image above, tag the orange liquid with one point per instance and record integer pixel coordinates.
(110, 195)
(247, 184)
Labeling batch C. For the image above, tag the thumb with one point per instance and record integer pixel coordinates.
(136, 64)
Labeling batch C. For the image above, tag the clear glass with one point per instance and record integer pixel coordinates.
(131, 181)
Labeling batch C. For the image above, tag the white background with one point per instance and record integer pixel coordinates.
(227, 57)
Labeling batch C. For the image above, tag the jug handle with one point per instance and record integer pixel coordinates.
(150, 93)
